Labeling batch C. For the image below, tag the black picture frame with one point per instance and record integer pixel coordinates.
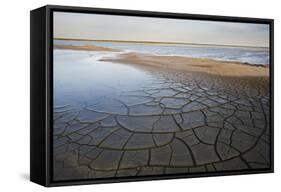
(41, 57)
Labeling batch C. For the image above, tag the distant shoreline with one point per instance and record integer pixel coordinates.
(157, 42)
(85, 48)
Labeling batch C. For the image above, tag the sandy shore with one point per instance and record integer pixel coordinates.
(209, 66)
(84, 48)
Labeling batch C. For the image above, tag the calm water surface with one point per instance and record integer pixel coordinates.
(79, 78)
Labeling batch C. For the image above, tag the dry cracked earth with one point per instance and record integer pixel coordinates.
(180, 123)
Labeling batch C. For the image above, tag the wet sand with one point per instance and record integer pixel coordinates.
(209, 66)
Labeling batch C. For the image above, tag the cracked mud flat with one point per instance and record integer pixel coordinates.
(169, 122)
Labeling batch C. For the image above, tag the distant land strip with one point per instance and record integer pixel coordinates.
(157, 42)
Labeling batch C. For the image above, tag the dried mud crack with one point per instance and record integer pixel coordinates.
(181, 123)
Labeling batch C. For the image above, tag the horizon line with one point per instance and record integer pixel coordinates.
(159, 42)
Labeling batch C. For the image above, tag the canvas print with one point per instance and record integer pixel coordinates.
(145, 96)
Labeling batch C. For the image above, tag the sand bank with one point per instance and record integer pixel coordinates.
(85, 48)
(209, 66)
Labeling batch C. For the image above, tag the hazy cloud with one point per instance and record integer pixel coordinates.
(110, 27)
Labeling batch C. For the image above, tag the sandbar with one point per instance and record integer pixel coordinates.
(210, 66)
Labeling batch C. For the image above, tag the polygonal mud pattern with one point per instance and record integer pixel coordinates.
(181, 123)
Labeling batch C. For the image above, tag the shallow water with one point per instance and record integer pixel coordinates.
(80, 78)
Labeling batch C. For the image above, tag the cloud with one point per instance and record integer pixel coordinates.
(109, 27)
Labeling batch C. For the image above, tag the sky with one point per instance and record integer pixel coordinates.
(131, 28)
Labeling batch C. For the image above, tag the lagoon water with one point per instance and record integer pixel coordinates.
(81, 79)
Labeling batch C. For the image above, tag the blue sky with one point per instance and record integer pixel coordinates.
(109, 27)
